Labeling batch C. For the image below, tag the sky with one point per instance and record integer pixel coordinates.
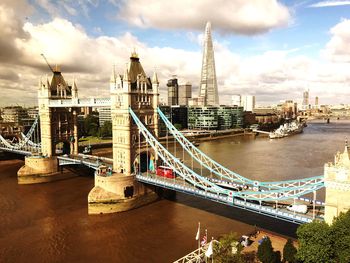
(271, 49)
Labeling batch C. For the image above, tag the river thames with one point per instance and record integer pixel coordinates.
(49, 222)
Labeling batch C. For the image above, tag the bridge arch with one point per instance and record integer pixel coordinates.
(144, 160)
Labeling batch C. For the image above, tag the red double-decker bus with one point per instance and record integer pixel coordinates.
(166, 172)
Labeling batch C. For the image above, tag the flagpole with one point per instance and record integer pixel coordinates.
(212, 256)
(199, 239)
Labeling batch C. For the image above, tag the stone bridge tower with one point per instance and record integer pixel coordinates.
(120, 191)
(58, 126)
(337, 182)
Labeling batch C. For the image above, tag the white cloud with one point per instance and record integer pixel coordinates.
(240, 16)
(330, 3)
(338, 48)
(271, 76)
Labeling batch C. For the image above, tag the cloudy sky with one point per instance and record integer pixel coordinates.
(271, 49)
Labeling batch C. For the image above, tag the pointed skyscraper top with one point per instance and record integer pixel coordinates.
(208, 87)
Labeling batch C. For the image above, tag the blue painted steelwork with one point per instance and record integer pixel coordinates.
(197, 180)
(90, 161)
(25, 146)
(223, 172)
(234, 202)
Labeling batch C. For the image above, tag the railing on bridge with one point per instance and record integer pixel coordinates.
(27, 145)
(257, 197)
(76, 102)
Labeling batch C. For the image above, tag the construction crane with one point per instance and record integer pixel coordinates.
(47, 62)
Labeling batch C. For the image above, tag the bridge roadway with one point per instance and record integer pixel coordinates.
(264, 208)
(90, 161)
(17, 151)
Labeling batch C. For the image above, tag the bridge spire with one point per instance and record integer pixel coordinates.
(155, 78)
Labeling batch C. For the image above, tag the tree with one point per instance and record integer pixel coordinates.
(106, 129)
(341, 237)
(315, 243)
(91, 125)
(289, 252)
(228, 249)
(178, 126)
(266, 254)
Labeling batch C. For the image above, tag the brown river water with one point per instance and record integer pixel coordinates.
(49, 222)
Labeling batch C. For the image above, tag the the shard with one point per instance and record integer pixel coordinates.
(208, 87)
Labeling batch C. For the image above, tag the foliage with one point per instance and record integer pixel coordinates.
(91, 126)
(106, 129)
(289, 252)
(225, 250)
(178, 126)
(266, 254)
(315, 243)
(341, 237)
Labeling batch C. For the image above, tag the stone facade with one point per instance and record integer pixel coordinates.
(56, 125)
(132, 90)
(337, 183)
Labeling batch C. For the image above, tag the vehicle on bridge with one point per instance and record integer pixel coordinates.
(298, 208)
(165, 171)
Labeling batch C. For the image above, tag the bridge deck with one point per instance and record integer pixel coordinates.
(264, 208)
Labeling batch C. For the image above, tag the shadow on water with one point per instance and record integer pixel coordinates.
(80, 170)
(247, 217)
(5, 156)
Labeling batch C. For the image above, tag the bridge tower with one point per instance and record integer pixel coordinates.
(337, 183)
(120, 191)
(58, 128)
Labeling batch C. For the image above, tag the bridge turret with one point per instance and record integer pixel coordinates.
(136, 92)
(113, 79)
(337, 183)
(126, 80)
(74, 90)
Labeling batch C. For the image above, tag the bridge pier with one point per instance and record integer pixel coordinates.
(337, 183)
(118, 193)
(39, 169)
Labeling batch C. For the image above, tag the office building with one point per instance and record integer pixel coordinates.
(179, 116)
(14, 114)
(33, 112)
(185, 93)
(306, 102)
(236, 100)
(208, 87)
(215, 118)
(248, 102)
(203, 117)
(104, 114)
(173, 92)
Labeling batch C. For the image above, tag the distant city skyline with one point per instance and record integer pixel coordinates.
(274, 50)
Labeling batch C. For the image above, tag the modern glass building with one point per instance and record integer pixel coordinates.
(215, 118)
(179, 116)
(237, 117)
(161, 125)
(203, 118)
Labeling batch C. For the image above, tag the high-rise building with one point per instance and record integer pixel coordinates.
(305, 104)
(104, 114)
(248, 102)
(236, 100)
(208, 87)
(185, 93)
(14, 114)
(316, 101)
(173, 92)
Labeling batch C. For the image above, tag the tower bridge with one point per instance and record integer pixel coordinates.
(129, 179)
